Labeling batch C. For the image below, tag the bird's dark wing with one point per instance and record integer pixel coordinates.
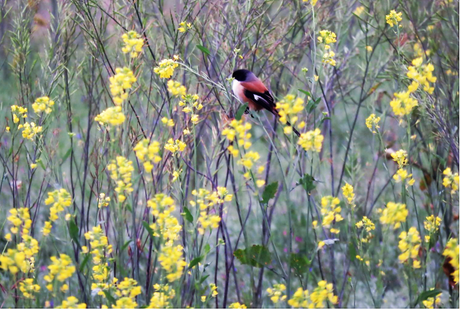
(265, 100)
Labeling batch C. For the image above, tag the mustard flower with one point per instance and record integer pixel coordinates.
(277, 293)
(451, 252)
(72, 303)
(166, 68)
(28, 288)
(400, 157)
(330, 210)
(20, 218)
(133, 43)
(120, 84)
(184, 26)
(403, 104)
(323, 293)
(372, 123)
(43, 104)
(18, 113)
(237, 305)
(125, 303)
(175, 146)
(431, 302)
(327, 37)
(300, 299)
(394, 18)
(431, 224)
(148, 152)
(30, 130)
(409, 245)
(348, 192)
(59, 200)
(208, 221)
(103, 201)
(172, 261)
(176, 89)
(161, 297)
(421, 74)
(61, 269)
(312, 2)
(451, 180)
(121, 172)
(394, 214)
(240, 131)
(359, 10)
(213, 288)
(128, 288)
(288, 108)
(312, 140)
(368, 226)
(401, 175)
(113, 116)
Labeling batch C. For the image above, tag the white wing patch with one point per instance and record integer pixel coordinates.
(258, 98)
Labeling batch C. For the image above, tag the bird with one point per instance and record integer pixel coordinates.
(248, 88)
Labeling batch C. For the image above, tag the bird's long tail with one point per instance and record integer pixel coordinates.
(275, 112)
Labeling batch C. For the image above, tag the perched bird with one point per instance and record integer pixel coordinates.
(249, 89)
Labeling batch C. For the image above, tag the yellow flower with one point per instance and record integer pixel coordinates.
(330, 210)
(43, 104)
(213, 288)
(237, 305)
(183, 27)
(175, 146)
(451, 180)
(327, 37)
(161, 297)
(409, 245)
(121, 171)
(148, 152)
(18, 113)
(402, 175)
(348, 192)
(312, 2)
(72, 303)
(30, 130)
(166, 68)
(28, 288)
(400, 157)
(172, 261)
(369, 48)
(394, 214)
(113, 116)
(133, 43)
(393, 18)
(59, 200)
(103, 201)
(120, 83)
(277, 293)
(403, 104)
(359, 10)
(288, 108)
(61, 269)
(176, 88)
(312, 140)
(430, 302)
(47, 228)
(372, 123)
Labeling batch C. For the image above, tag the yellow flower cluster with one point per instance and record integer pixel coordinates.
(400, 157)
(100, 250)
(330, 212)
(183, 26)
(238, 129)
(59, 200)
(175, 146)
(312, 140)
(421, 74)
(277, 293)
(127, 290)
(113, 116)
(30, 130)
(22, 258)
(71, 303)
(167, 227)
(148, 152)
(431, 224)
(312, 2)
(207, 200)
(394, 214)
(372, 122)
(451, 180)
(328, 37)
(409, 246)
(288, 108)
(103, 201)
(43, 104)
(166, 68)
(28, 288)
(359, 10)
(317, 299)
(176, 89)
(237, 305)
(168, 122)
(133, 43)
(161, 297)
(401, 175)
(18, 113)
(368, 226)
(347, 191)
(191, 105)
(60, 269)
(121, 173)
(393, 18)
(120, 83)
(403, 104)
(452, 252)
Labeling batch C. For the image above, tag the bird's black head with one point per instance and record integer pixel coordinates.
(242, 75)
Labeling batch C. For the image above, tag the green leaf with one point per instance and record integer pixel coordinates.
(240, 111)
(84, 262)
(147, 227)
(305, 92)
(187, 215)
(195, 262)
(203, 278)
(307, 183)
(269, 192)
(256, 256)
(126, 245)
(73, 232)
(351, 252)
(109, 297)
(207, 249)
(311, 105)
(299, 263)
(203, 49)
(425, 295)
